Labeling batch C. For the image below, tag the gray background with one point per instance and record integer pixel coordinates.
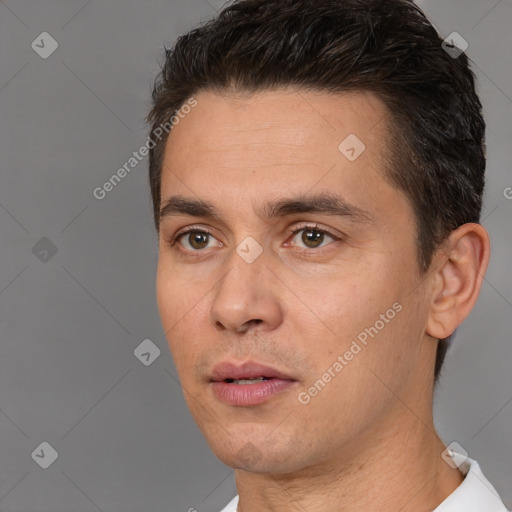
(69, 325)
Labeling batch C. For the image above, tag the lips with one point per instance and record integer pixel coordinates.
(230, 371)
(249, 384)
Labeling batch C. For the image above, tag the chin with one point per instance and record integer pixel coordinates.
(247, 456)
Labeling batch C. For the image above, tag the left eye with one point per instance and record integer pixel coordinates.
(312, 237)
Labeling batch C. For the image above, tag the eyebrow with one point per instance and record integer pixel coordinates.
(325, 203)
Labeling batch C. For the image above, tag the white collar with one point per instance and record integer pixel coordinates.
(474, 494)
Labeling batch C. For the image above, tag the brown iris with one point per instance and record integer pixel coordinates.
(312, 237)
(198, 240)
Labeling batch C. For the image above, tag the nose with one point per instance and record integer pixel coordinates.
(246, 298)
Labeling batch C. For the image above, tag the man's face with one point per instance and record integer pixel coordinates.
(253, 291)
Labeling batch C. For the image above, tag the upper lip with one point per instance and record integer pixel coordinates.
(247, 370)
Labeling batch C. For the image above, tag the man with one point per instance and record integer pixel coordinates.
(317, 182)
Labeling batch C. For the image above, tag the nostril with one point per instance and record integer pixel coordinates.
(247, 324)
(220, 325)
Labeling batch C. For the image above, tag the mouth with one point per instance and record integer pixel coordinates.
(248, 384)
(247, 373)
(247, 381)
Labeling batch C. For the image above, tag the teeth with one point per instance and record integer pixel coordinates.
(248, 381)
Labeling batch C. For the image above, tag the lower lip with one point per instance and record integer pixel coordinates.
(250, 394)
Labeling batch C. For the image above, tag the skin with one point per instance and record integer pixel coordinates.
(368, 436)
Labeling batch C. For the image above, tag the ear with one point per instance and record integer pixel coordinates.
(460, 266)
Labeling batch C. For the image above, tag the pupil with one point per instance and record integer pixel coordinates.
(313, 237)
(198, 240)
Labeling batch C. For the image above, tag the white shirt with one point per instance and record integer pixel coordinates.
(474, 494)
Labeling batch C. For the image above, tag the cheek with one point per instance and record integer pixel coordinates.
(351, 303)
(366, 315)
(176, 294)
(172, 308)
(167, 297)
(356, 367)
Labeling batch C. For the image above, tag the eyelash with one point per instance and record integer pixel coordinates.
(195, 229)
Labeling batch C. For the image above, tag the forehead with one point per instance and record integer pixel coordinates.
(237, 148)
(303, 121)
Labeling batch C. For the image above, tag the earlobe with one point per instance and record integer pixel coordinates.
(462, 261)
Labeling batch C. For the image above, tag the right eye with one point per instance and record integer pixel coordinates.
(195, 240)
